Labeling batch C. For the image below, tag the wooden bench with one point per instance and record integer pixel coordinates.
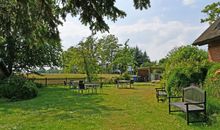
(161, 94)
(193, 101)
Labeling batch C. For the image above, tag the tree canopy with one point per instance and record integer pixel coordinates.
(140, 57)
(104, 55)
(29, 35)
(212, 11)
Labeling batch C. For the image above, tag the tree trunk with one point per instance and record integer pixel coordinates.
(10, 53)
(86, 67)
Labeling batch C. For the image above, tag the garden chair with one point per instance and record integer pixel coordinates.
(65, 83)
(81, 87)
(101, 85)
(161, 94)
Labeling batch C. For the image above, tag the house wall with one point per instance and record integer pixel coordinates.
(144, 74)
(214, 51)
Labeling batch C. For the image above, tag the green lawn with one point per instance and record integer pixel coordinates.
(57, 107)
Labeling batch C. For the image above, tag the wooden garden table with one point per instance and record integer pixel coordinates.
(123, 83)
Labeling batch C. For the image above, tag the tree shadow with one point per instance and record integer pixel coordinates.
(60, 103)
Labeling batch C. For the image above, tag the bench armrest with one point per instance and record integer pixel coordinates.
(160, 88)
(194, 103)
(175, 97)
(171, 97)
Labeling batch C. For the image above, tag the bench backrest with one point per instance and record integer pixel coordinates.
(194, 94)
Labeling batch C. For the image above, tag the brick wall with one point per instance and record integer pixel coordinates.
(214, 51)
(143, 72)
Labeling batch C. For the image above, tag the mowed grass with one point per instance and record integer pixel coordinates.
(59, 108)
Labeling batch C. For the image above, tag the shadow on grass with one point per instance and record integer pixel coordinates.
(193, 117)
(60, 103)
(127, 88)
(147, 84)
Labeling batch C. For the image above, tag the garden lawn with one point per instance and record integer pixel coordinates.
(59, 108)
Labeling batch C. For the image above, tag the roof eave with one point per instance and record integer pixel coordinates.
(207, 41)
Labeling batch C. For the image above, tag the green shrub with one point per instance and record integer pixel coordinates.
(18, 88)
(212, 69)
(126, 76)
(213, 109)
(185, 65)
(28, 90)
(39, 85)
(212, 81)
(212, 87)
(176, 81)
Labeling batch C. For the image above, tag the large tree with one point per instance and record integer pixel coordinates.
(212, 11)
(140, 57)
(107, 48)
(124, 58)
(83, 58)
(26, 26)
(30, 34)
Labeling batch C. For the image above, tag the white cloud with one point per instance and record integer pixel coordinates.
(155, 36)
(158, 37)
(72, 32)
(189, 2)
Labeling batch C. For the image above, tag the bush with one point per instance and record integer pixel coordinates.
(212, 81)
(124, 76)
(212, 69)
(213, 109)
(39, 85)
(176, 81)
(185, 65)
(18, 88)
(212, 87)
(28, 90)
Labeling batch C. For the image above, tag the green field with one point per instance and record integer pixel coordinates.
(59, 78)
(59, 108)
(108, 76)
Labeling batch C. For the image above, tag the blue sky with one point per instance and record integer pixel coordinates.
(167, 24)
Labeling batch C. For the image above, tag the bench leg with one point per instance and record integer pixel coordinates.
(169, 106)
(157, 97)
(187, 117)
(169, 109)
(205, 118)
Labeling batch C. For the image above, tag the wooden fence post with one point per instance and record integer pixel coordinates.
(46, 81)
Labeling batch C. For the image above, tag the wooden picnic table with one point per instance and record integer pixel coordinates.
(124, 83)
(92, 86)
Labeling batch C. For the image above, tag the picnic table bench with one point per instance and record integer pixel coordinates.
(161, 94)
(193, 101)
(124, 83)
(81, 86)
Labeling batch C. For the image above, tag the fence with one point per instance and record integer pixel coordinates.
(56, 81)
